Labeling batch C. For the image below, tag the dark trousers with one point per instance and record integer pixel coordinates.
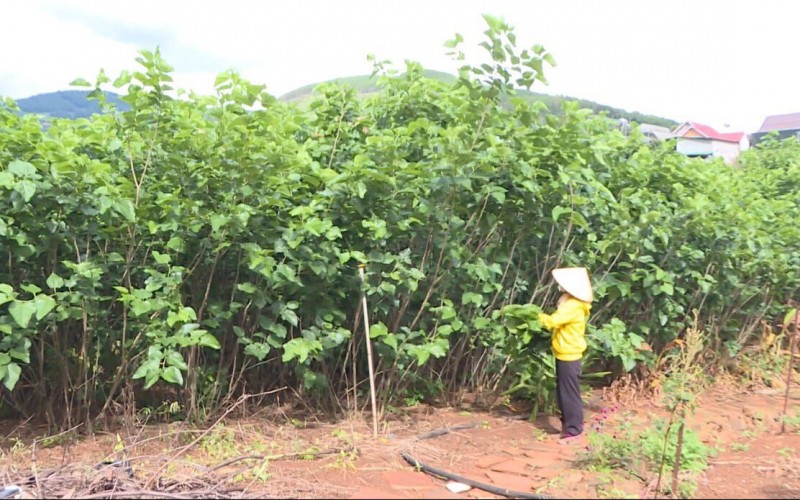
(568, 393)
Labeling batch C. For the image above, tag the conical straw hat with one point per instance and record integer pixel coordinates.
(575, 280)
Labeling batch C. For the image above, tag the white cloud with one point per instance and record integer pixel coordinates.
(715, 61)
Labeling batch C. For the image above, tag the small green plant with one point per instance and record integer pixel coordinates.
(261, 471)
(553, 484)
(58, 439)
(694, 454)
(740, 447)
(792, 421)
(614, 493)
(607, 452)
(345, 460)
(220, 443)
(786, 452)
(685, 379)
(18, 447)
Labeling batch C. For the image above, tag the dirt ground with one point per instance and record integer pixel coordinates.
(278, 453)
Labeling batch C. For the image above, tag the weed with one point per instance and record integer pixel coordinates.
(740, 447)
(345, 460)
(539, 435)
(627, 448)
(792, 421)
(16, 449)
(220, 443)
(786, 452)
(694, 454)
(261, 471)
(614, 493)
(57, 440)
(553, 484)
(607, 452)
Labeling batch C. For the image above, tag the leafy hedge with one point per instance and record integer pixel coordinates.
(212, 242)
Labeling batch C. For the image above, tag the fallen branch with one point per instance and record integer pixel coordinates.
(138, 493)
(282, 456)
(186, 448)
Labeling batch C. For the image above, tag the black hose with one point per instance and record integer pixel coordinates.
(475, 484)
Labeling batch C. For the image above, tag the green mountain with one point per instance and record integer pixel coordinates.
(66, 104)
(365, 85)
(75, 104)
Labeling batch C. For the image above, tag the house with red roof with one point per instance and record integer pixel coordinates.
(698, 140)
(784, 126)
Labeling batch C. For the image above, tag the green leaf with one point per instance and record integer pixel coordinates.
(6, 180)
(290, 316)
(26, 189)
(451, 44)
(174, 358)
(789, 318)
(151, 378)
(390, 340)
(172, 375)
(448, 312)
(208, 340)
(257, 350)
(217, 221)
(160, 257)
(22, 312)
(126, 209)
(175, 243)
(378, 330)
(44, 304)
(55, 281)
(22, 169)
(472, 298)
(13, 371)
(80, 82)
(23, 355)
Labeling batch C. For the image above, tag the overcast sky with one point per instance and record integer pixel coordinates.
(717, 62)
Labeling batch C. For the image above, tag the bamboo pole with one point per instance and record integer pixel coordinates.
(369, 356)
(793, 346)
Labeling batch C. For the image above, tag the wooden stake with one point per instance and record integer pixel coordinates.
(369, 356)
(793, 344)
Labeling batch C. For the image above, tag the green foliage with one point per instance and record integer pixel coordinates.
(189, 247)
(615, 344)
(630, 447)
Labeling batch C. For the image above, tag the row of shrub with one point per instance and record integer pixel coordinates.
(212, 243)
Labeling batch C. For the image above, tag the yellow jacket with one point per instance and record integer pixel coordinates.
(568, 325)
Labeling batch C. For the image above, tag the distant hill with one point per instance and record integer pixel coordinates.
(74, 103)
(365, 85)
(66, 104)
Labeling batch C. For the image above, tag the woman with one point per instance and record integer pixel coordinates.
(568, 325)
